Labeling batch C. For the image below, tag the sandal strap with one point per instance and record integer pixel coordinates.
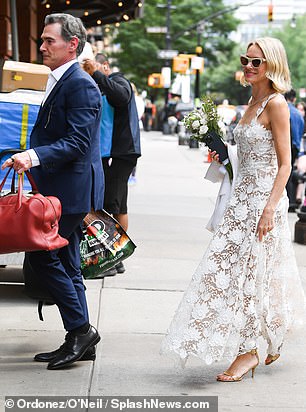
(234, 378)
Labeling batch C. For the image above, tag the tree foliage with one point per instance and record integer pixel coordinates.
(293, 39)
(137, 56)
(220, 80)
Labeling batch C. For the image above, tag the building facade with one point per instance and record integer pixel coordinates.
(254, 17)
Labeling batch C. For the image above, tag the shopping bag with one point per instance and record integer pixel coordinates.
(104, 244)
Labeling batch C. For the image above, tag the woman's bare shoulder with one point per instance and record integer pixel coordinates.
(278, 104)
(277, 101)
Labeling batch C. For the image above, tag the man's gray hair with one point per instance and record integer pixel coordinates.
(71, 27)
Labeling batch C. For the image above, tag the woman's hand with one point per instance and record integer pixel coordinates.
(266, 223)
(214, 155)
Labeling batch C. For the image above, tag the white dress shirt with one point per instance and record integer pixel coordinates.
(53, 78)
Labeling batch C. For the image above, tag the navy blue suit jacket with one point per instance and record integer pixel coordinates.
(66, 138)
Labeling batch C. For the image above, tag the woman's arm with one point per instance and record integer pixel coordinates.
(278, 114)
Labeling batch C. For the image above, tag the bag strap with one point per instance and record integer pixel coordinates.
(13, 183)
(5, 177)
(29, 176)
(20, 185)
(32, 181)
(20, 188)
(39, 308)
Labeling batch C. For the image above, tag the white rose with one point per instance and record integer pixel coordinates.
(195, 124)
(203, 129)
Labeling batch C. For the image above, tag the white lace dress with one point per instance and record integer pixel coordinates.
(242, 288)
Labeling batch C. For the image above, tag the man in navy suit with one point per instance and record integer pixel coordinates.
(65, 162)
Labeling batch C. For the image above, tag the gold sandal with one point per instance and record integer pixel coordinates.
(271, 358)
(235, 378)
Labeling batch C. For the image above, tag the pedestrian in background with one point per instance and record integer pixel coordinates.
(247, 284)
(120, 138)
(149, 115)
(65, 162)
(301, 162)
(301, 106)
(140, 104)
(140, 110)
(296, 134)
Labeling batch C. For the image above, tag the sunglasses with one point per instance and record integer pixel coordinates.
(255, 61)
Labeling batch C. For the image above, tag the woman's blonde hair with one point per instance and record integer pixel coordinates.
(277, 63)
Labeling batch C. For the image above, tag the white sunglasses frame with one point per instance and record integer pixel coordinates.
(250, 60)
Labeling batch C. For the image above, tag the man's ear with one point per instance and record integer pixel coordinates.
(74, 42)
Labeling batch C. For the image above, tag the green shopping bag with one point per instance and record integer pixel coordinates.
(104, 244)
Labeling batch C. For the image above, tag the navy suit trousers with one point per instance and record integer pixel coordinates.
(61, 273)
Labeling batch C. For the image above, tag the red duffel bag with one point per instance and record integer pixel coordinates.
(28, 222)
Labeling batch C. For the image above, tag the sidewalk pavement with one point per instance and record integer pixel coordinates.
(168, 208)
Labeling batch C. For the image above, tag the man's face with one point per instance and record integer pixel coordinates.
(55, 50)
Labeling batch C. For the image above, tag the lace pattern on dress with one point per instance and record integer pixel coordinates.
(242, 288)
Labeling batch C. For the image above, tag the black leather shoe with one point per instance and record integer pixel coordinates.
(90, 354)
(292, 207)
(74, 348)
(120, 267)
(109, 272)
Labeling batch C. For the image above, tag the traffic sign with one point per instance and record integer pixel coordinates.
(156, 29)
(180, 64)
(167, 54)
(156, 80)
(166, 73)
(197, 63)
(302, 93)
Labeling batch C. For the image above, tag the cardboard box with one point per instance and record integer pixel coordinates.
(19, 75)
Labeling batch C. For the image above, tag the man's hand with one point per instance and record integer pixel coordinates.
(90, 66)
(20, 162)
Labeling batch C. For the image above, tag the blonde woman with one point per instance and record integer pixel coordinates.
(247, 284)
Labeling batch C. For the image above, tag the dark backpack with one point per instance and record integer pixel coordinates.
(34, 287)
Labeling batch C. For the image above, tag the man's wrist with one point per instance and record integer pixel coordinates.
(34, 158)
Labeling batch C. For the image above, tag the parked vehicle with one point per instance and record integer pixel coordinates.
(182, 110)
(230, 128)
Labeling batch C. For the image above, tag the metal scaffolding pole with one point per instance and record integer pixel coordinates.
(14, 30)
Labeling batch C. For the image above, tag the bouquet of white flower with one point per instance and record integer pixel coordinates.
(205, 125)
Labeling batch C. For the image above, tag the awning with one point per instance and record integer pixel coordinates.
(98, 12)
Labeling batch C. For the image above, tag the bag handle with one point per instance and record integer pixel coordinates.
(5, 177)
(29, 176)
(10, 152)
(20, 188)
(20, 185)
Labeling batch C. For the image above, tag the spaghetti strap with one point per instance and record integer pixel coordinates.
(264, 103)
